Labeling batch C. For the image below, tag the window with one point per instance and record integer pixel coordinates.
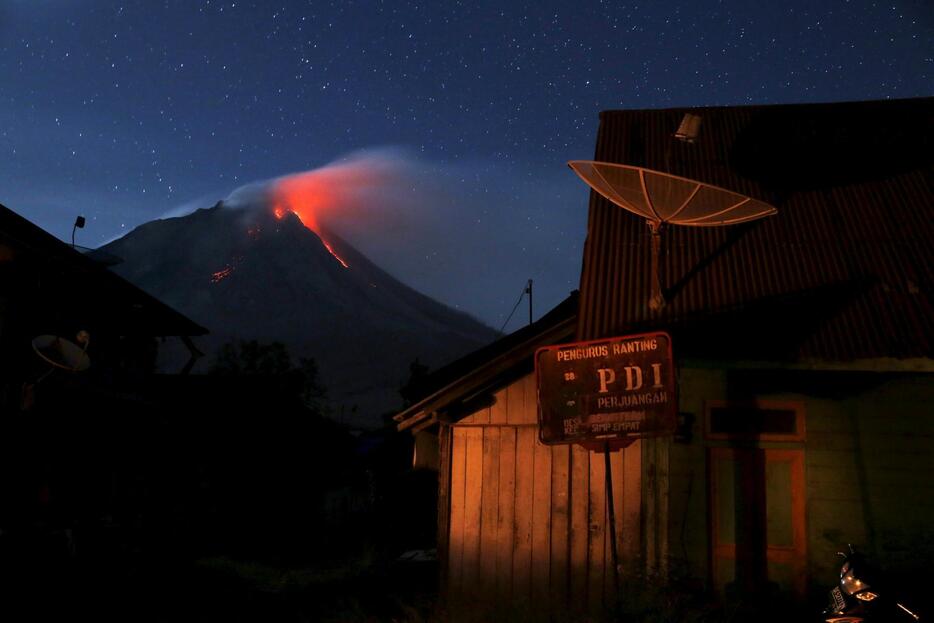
(760, 420)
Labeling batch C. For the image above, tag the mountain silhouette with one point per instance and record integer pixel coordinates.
(260, 274)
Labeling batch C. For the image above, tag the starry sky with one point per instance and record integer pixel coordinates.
(128, 111)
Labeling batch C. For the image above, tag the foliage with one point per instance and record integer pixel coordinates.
(365, 587)
(252, 358)
(417, 373)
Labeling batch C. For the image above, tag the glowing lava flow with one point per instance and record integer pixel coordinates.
(339, 187)
(336, 256)
(221, 274)
(280, 213)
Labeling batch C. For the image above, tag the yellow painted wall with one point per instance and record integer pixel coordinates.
(869, 465)
(527, 524)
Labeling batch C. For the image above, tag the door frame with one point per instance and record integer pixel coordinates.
(782, 448)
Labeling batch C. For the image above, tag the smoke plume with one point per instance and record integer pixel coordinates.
(467, 234)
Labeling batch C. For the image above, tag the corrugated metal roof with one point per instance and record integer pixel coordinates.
(52, 280)
(844, 270)
(486, 370)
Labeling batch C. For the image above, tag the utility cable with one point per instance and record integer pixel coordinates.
(514, 307)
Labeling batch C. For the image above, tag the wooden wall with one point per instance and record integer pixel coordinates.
(526, 523)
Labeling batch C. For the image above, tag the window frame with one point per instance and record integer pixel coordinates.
(796, 406)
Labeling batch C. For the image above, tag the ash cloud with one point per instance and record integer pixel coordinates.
(468, 234)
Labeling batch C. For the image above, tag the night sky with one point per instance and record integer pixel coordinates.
(127, 111)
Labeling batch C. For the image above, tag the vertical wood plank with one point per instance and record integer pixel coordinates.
(515, 402)
(444, 501)
(505, 530)
(662, 466)
(489, 516)
(499, 411)
(458, 493)
(541, 526)
(613, 592)
(650, 505)
(522, 547)
(530, 415)
(597, 545)
(580, 528)
(473, 489)
(560, 527)
(632, 505)
(481, 416)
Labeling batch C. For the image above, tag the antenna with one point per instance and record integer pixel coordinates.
(526, 289)
(79, 224)
(689, 128)
(663, 199)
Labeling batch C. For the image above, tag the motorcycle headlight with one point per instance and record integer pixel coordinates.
(851, 585)
(866, 596)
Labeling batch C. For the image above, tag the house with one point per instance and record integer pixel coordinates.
(76, 472)
(804, 346)
(48, 287)
(502, 496)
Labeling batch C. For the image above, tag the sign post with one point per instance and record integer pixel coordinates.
(605, 394)
(611, 514)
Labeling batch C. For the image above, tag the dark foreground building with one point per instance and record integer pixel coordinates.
(83, 453)
(804, 346)
(127, 495)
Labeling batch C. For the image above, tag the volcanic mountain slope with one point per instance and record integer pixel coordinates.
(259, 274)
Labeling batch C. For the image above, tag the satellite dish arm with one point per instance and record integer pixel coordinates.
(657, 300)
(648, 197)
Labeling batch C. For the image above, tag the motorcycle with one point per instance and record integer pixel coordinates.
(859, 596)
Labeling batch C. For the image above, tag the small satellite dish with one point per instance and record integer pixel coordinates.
(62, 353)
(663, 199)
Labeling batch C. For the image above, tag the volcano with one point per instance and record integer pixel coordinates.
(262, 274)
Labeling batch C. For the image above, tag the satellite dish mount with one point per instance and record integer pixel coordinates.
(657, 299)
(663, 199)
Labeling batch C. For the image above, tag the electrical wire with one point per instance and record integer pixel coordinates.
(515, 307)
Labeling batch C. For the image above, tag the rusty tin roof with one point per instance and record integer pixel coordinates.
(843, 272)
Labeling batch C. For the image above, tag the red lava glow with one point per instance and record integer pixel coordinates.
(311, 194)
(221, 274)
(280, 213)
(336, 256)
(225, 272)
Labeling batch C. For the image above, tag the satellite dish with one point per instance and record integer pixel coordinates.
(62, 353)
(663, 199)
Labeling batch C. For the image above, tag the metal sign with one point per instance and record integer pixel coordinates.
(615, 389)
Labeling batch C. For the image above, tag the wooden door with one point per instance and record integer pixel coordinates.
(757, 520)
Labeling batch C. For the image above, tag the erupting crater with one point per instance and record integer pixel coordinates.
(303, 197)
